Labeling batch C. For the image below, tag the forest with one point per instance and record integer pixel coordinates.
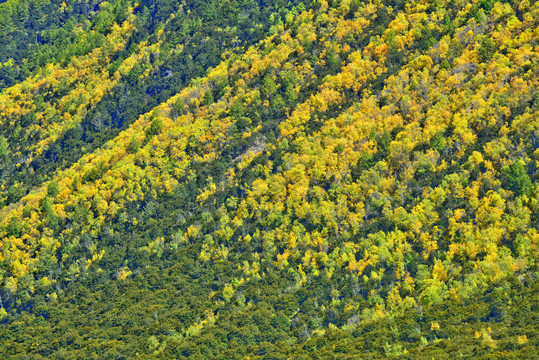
(249, 179)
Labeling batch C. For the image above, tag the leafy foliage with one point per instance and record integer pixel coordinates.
(261, 179)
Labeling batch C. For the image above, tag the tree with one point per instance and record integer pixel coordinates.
(3, 146)
(486, 49)
(518, 179)
(52, 189)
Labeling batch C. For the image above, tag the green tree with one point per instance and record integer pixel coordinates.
(518, 179)
(486, 49)
(268, 87)
(3, 146)
(52, 189)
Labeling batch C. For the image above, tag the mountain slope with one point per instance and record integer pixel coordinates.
(361, 181)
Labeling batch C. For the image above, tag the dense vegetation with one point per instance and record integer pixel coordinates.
(269, 179)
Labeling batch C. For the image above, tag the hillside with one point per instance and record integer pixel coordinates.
(269, 180)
